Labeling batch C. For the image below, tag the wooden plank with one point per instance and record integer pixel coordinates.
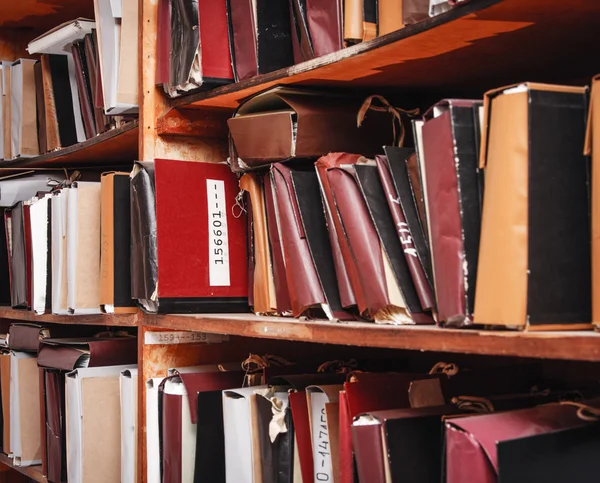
(126, 320)
(42, 15)
(33, 472)
(576, 345)
(111, 148)
(515, 40)
(194, 122)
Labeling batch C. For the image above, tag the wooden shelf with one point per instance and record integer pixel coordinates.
(576, 345)
(111, 148)
(126, 320)
(461, 52)
(33, 472)
(41, 15)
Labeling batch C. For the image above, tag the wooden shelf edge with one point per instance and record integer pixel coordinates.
(33, 472)
(125, 320)
(576, 345)
(56, 156)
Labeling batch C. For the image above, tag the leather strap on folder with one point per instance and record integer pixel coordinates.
(386, 107)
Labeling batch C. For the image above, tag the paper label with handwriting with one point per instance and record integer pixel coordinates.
(182, 337)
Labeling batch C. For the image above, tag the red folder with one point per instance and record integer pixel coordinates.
(214, 40)
(191, 199)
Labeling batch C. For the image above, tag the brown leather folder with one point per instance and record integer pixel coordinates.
(309, 264)
(24, 111)
(535, 211)
(41, 107)
(369, 231)
(242, 39)
(276, 245)
(345, 269)
(453, 206)
(115, 246)
(54, 409)
(91, 57)
(301, 37)
(524, 445)
(72, 353)
(264, 294)
(592, 148)
(26, 337)
(51, 122)
(325, 24)
(284, 123)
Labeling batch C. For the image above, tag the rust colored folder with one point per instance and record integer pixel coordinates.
(26, 336)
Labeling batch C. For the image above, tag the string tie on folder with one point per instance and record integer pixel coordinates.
(255, 364)
(473, 403)
(338, 367)
(398, 126)
(239, 204)
(584, 411)
(450, 369)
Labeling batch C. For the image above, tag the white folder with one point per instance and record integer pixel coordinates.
(38, 214)
(93, 424)
(152, 433)
(237, 424)
(59, 251)
(117, 53)
(129, 399)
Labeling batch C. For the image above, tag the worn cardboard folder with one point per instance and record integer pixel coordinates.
(115, 247)
(6, 109)
(283, 123)
(5, 390)
(24, 137)
(58, 204)
(389, 16)
(93, 419)
(453, 205)
(264, 290)
(592, 148)
(25, 439)
(118, 38)
(189, 250)
(83, 248)
(535, 211)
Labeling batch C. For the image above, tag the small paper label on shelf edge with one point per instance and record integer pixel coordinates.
(183, 337)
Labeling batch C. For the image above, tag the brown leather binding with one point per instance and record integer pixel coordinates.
(265, 301)
(353, 21)
(283, 123)
(51, 125)
(325, 25)
(345, 268)
(41, 107)
(593, 137)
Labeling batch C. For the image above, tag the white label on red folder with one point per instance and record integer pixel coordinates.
(218, 246)
(175, 337)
